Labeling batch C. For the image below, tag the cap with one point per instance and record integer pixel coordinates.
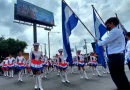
(36, 44)
(60, 50)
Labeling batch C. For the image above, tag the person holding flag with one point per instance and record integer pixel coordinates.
(127, 54)
(116, 45)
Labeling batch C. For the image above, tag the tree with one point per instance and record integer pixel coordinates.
(11, 46)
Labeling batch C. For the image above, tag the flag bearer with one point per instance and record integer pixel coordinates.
(115, 41)
(127, 54)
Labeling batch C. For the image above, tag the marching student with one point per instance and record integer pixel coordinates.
(93, 63)
(127, 54)
(11, 62)
(81, 64)
(20, 62)
(115, 41)
(57, 64)
(45, 65)
(72, 65)
(63, 65)
(5, 66)
(36, 65)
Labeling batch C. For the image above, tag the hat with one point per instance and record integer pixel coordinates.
(36, 44)
(60, 50)
(78, 50)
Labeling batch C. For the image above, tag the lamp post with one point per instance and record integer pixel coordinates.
(49, 42)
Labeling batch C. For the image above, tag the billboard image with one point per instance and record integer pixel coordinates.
(34, 13)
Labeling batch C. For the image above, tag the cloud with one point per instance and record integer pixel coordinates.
(106, 8)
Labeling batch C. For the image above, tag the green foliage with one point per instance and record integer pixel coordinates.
(11, 46)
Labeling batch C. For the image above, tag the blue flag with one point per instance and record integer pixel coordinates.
(69, 22)
(100, 30)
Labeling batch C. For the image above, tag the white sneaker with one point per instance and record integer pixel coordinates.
(86, 77)
(21, 80)
(104, 72)
(93, 74)
(58, 74)
(63, 81)
(35, 87)
(67, 81)
(99, 75)
(81, 77)
(41, 88)
(44, 76)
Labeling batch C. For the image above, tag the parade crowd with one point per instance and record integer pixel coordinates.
(40, 65)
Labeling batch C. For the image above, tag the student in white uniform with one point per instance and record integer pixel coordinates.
(127, 54)
(36, 65)
(93, 63)
(11, 62)
(45, 66)
(63, 65)
(5, 66)
(81, 64)
(116, 45)
(20, 62)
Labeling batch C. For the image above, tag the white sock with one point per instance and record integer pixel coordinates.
(36, 82)
(85, 74)
(93, 70)
(66, 78)
(7, 73)
(62, 78)
(98, 71)
(40, 82)
(80, 72)
(12, 73)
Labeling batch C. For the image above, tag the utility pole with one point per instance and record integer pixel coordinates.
(45, 49)
(86, 48)
(49, 45)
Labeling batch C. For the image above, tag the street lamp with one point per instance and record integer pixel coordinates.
(49, 42)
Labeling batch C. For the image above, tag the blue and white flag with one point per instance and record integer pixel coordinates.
(100, 30)
(69, 22)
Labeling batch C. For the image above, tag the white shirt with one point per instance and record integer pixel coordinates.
(37, 55)
(62, 59)
(79, 57)
(115, 41)
(20, 59)
(127, 54)
(5, 62)
(11, 60)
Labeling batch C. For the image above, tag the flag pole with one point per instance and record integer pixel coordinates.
(98, 14)
(79, 20)
(119, 22)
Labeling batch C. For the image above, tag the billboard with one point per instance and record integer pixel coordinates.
(30, 13)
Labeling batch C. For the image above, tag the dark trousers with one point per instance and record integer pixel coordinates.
(129, 64)
(116, 67)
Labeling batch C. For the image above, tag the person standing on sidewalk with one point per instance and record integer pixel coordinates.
(116, 45)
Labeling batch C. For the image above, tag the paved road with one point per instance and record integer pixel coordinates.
(53, 82)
